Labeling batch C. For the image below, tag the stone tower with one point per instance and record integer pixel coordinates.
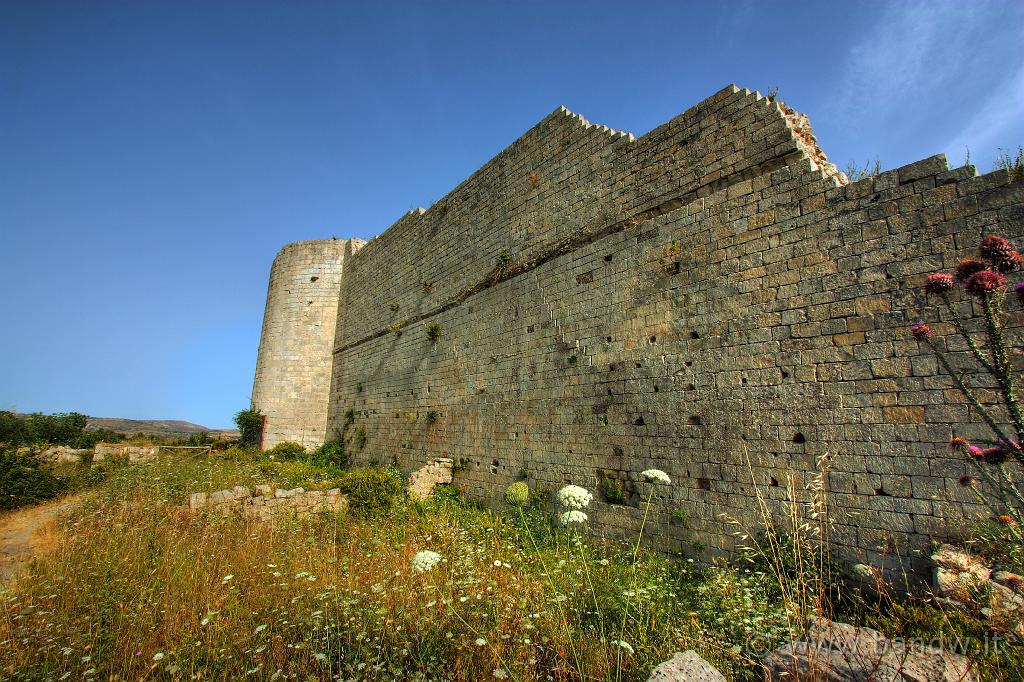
(293, 369)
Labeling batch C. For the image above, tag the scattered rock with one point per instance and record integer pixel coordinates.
(196, 500)
(963, 581)
(687, 666)
(838, 652)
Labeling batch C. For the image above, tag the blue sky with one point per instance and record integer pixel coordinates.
(154, 156)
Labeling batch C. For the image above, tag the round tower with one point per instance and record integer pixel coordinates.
(293, 368)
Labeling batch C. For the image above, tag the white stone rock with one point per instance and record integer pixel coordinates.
(686, 666)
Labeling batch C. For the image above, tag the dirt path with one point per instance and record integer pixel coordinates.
(27, 533)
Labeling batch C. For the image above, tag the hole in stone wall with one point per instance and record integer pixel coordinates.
(655, 388)
(689, 363)
(639, 365)
(785, 374)
(703, 484)
(690, 387)
(313, 279)
(608, 258)
(775, 482)
(744, 382)
(881, 491)
(609, 339)
(653, 339)
(799, 438)
(694, 335)
(309, 303)
(639, 421)
(695, 420)
(611, 367)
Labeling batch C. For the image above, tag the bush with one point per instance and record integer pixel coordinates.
(23, 481)
(250, 426)
(371, 491)
(58, 429)
(330, 454)
(286, 451)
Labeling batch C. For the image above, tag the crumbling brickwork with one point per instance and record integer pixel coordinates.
(711, 299)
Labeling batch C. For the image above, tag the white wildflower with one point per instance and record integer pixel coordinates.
(574, 497)
(480, 641)
(228, 578)
(425, 560)
(572, 516)
(656, 476)
(624, 645)
(158, 656)
(500, 674)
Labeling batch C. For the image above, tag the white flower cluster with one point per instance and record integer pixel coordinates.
(424, 561)
(574, 497)
(572, 516)
(656, 476)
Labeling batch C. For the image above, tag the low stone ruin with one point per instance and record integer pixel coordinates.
(134, 453)
(65, 454)
(266, 502)
(686, 666)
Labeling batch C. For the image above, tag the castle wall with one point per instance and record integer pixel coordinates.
(710, 299)
(293, 369)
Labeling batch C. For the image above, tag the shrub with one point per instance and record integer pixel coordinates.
(24, 481)
(250, 426)
(63, 428)
(286, 451)
(330, 454)
(371, 491)
(434, 332)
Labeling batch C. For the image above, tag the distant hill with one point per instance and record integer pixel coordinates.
(151, 427)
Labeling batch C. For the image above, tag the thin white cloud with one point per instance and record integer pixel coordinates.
(999, 122)
(913, 48)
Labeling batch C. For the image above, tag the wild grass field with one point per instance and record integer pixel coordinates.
(140, 587)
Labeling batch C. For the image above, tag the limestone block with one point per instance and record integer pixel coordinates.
(686, 666)
(197, 500)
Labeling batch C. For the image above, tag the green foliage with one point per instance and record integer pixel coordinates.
(62, 428)
(573, 360)
(432, 416)
(1014, 165)
(503, 259)
(613, 491)
(434, 332)
(23, 480)
(371, 492)
(287, 451)
(856, 172)
(330, 454)
(250, 425)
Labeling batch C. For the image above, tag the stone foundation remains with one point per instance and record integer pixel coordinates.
(265, 502)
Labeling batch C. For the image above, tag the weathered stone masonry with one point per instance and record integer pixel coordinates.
(711, 299)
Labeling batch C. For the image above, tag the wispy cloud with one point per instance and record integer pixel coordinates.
(998, 122)
(922, 66)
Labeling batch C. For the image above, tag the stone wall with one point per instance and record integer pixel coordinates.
(711, 299)
(293, 368)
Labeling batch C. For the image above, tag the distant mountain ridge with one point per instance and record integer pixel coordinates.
(153, 427)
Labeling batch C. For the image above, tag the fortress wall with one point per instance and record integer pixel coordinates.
(729, 331)
(293, 367)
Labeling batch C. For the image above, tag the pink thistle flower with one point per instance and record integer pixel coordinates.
(938, 283)
(922, 332)
(967, 481)
(995, 248)
(993, 456)
(1018, 289)
(1011, 262)
(974, 451)
(968, 267)
(984, 282)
